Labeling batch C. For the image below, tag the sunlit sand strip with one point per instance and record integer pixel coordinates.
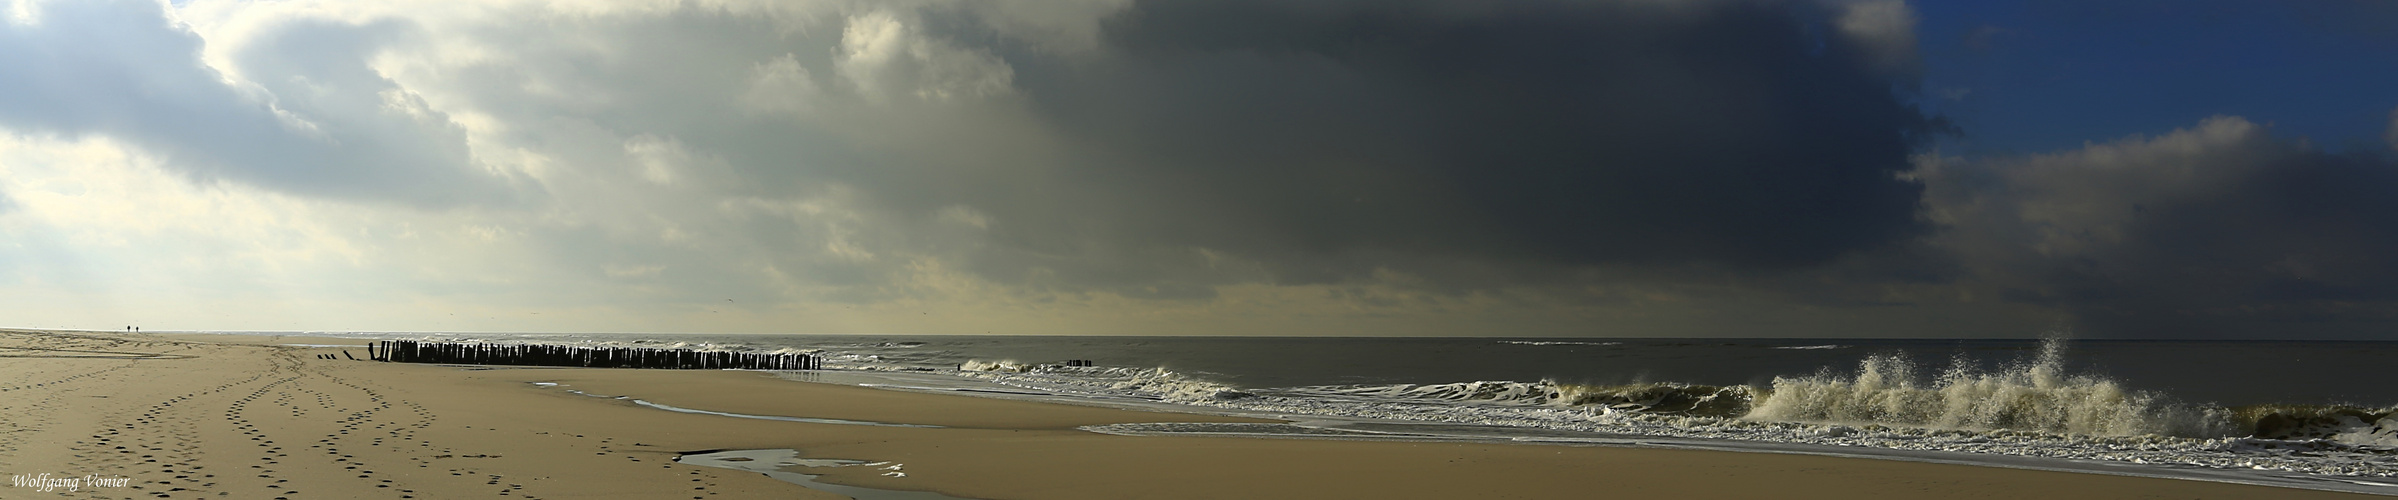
(38, 352)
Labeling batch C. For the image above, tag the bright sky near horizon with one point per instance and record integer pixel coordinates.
(1728, 168)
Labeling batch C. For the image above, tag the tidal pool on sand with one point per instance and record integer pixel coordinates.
(776, 463)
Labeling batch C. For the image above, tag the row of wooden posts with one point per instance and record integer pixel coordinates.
(410, 351)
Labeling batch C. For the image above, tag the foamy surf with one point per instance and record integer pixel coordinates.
(1158, 384)
(2029, 408)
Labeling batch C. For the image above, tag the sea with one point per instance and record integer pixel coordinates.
(2312, 414)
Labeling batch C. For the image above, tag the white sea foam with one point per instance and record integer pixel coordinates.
(1143, 383)
(1005, 365)
(1499, 392)
(2030, 408)
(1812, 347)
(2033, 396)
(2382, 433)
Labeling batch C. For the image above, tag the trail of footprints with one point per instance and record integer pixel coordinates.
(292, 415)
(30, 416)
(40, 386)
(160, 439)
(27, 381)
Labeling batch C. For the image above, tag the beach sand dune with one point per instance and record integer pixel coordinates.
(211, 416)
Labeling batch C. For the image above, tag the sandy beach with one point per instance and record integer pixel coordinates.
(216, 416)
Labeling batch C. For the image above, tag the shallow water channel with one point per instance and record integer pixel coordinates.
(778, 463)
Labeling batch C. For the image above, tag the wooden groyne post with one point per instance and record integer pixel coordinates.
(458, 353)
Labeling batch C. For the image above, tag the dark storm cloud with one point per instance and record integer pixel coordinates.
(316, 125)
(1328, 139)
(2217, 230)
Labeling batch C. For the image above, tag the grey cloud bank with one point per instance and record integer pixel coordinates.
(1582, 164)
(2220, 229)
(1330, 139)
(314, 124)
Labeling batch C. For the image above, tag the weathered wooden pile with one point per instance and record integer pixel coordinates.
(410, 351)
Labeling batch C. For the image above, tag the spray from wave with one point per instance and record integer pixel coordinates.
(2034, 395)
(2037, 395)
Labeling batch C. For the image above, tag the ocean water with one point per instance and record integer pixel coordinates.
(2323, 409)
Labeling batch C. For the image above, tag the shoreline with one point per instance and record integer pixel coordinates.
(231, 407)
(1329, 427)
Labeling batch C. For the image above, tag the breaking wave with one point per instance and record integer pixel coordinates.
(2035, 395)
(2032, 407)
(1656, 398)
(1003, 366)
(1501, 392)
(1137, 383)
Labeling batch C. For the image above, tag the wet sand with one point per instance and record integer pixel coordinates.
(209, 416)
